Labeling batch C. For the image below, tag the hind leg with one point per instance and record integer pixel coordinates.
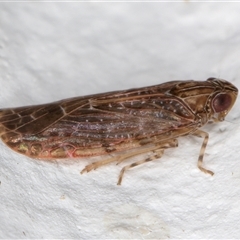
(155, 155)
(128, 154)
(156, 151)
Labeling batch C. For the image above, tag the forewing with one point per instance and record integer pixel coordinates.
(96, 124)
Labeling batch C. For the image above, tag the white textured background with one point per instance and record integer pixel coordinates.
(50, 51)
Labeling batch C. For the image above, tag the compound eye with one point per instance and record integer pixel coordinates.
(221, 102)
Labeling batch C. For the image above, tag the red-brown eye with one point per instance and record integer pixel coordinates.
(221, 102)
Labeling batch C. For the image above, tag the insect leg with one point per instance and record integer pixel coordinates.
(117, 158)
(95, 165)
(158, 146)
(150, 158)
(204, 135)
(156, 154)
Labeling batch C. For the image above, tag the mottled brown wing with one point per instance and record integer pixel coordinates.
(95, 124)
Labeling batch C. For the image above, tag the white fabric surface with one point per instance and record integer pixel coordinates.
(51, 51)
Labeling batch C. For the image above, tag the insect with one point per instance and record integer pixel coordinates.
(121, 124)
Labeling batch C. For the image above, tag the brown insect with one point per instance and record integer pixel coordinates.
(130, 122)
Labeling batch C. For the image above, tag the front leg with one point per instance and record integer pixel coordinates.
(202, 134)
